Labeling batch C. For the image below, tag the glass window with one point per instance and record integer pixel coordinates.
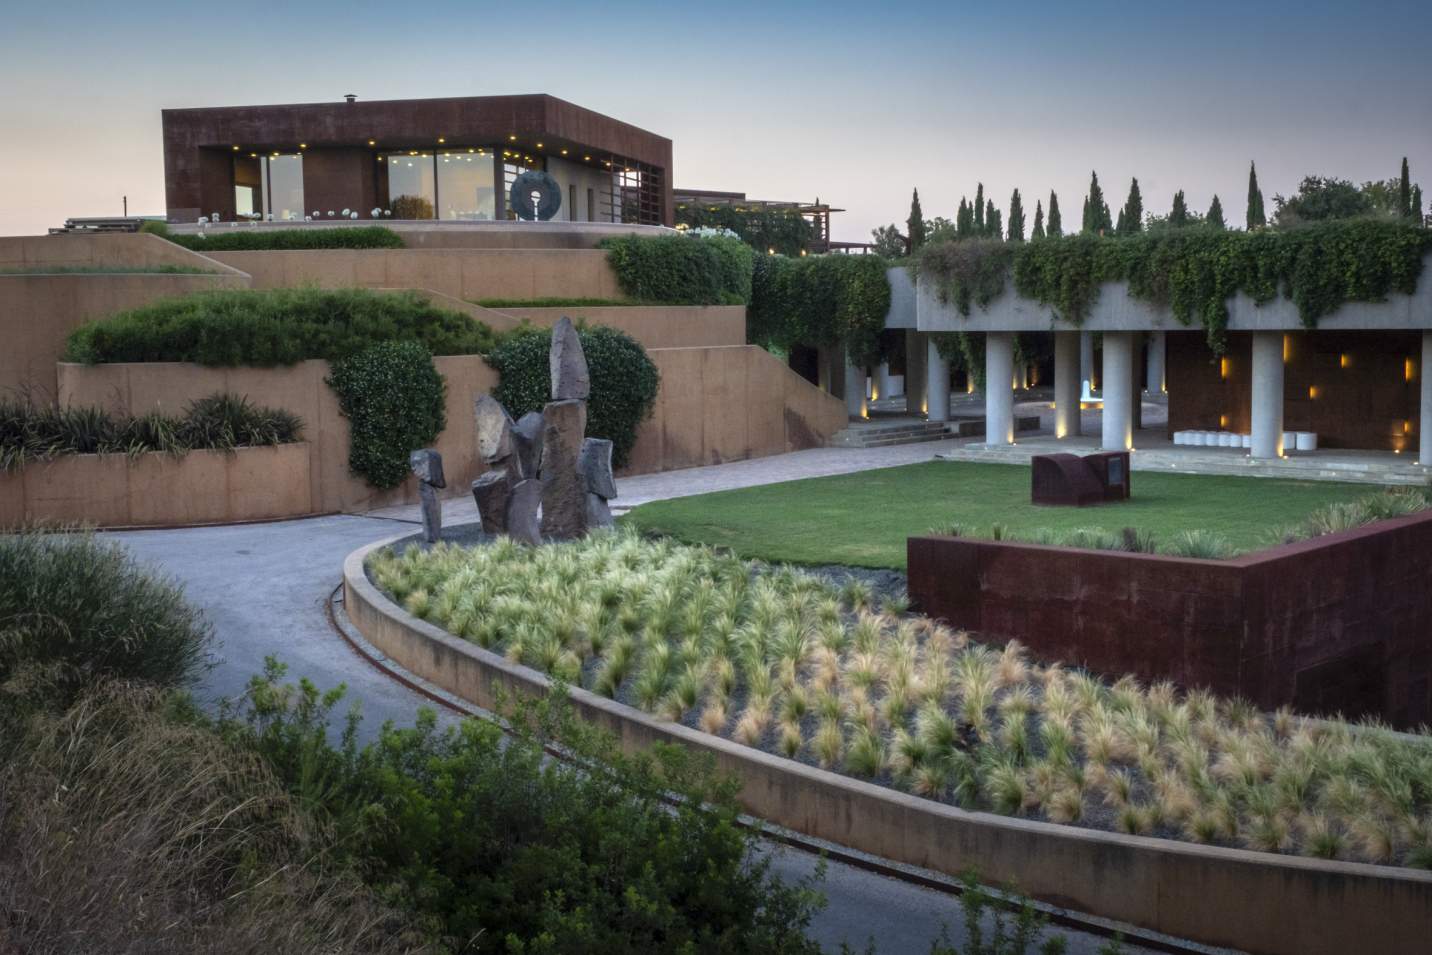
(248, 186)
(412, 192)
(465, 184)
(283, 186)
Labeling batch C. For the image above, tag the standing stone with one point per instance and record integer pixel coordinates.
(527, 442)
(595, 465)
(598, 514)
(492, 492)
(522, 523)
(494, 429)
(570, 377)
(564, 492)
(427, 464)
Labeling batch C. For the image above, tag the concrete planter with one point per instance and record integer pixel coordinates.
(202, 487)
(1212, 895)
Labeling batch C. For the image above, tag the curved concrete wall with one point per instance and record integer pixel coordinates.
(1213, 895)
(1116, 310)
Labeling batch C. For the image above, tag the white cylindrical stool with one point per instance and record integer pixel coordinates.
(1307, 441)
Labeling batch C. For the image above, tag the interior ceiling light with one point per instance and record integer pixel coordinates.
(441, 140)
(236, 149)
(372, 143)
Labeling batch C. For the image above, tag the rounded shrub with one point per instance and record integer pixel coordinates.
(75, 610)
(393, 399)
(274, 327)
(624, 381)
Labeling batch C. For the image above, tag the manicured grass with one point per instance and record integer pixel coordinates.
(863, 519)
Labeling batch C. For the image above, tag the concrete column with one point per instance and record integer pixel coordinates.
(937, 387)
(914, 372)
(1118, 391)
(855, 399)
(1155, 383)
(999, 390)
(1086, 358)
(1066, 384)
(1267, 410)
(1424, 423)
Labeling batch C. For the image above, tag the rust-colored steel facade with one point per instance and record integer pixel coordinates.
(340, 141)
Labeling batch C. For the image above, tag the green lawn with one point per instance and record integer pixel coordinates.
(863, 519)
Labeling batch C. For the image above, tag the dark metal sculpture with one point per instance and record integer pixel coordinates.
(549, 195)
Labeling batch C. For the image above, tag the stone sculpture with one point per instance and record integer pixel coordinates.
(545, 462)
(427, 464)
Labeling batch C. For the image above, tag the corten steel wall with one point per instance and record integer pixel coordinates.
(461, 273)
(1206, 893)
(202, 487)
(198, 143)
(1335, 624)
(1368, 402)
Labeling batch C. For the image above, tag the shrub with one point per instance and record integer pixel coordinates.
(277, 327)
(682, 270)
(220, 422)
(508, 850)
(820, 300)
(393, 399)
(624, 381)
(245, 239)
(75, 610)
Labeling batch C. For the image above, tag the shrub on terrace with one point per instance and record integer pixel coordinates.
(241, 238)
(393, 399)
(276, 327)
(820, 300)
(682, 270)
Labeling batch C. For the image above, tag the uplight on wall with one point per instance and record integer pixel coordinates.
(1223, 421)
(1313, 392)
(1287, 348)
(1223, 368)
(1409, 370)
(1344, 360)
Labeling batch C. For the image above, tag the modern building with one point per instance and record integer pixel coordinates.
(446, 159)
(816, 213)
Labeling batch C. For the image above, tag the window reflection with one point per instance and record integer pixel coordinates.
(465, 184)
(284, 186)
(412, 184)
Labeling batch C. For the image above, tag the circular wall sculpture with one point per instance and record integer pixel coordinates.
(548, 195)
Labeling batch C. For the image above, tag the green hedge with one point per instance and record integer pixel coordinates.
(1192, 271)
(682, 270)
(278, 327)
(393, 399)
(820, 300)
(243, 238)
(220, 422)
(624, 381)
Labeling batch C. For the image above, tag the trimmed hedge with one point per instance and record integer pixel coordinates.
(278, 327)
(393, 399)
(682, 270)
(820, 300)
(220, 422)
(242, 238)
(624, 381)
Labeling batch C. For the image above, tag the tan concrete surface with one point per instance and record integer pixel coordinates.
(655, 326)
(1213, 895)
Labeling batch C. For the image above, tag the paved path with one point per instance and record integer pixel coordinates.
(264, 587)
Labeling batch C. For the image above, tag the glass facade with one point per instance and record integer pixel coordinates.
(269, 187)
(465, 184)
(411, 185)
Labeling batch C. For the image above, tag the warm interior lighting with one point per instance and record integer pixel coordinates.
(539, 145)
(587, 158)
(1409, 370)
(441, 140)
(1313, 391)
(1344, 360)
(372, 142)
(1223, 368)
(1287, 348)
(1223, 421)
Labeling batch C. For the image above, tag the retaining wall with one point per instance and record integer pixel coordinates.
(1218, 896)
(655, 326)
(1335, 624)
(202, 487)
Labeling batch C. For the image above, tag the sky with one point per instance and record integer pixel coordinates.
(851, 103)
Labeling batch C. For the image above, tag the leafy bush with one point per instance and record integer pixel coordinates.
(682, 270)
(270, 239)
(820, 300)
(393, 399)
(220, 422)
(277, 327)
(506, 850)
(624, 381)
(75, 610)
(763, 229)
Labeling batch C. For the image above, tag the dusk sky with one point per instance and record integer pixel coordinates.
(851, 103)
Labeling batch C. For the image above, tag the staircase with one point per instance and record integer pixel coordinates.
(883, 434)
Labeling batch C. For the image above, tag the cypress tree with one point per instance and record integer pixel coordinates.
(1016, 218)
(964, 221)
(1096, 210)
(1038, 231)
(1256, 218)
(994, 226)
(979, 209)
(1417, 205)
(1215, 214)
(1131, 217)
(1084, 216)
(1179, 216)
(916, 224)
(1055, 229)
(1404, 192)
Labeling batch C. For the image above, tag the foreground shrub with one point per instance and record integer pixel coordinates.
(624, 381)
(242, 238)
(682, 270)
(393, 399)
(220, 422)
(125, 829)
(507, 850)
(276, 327)
(75, 610)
